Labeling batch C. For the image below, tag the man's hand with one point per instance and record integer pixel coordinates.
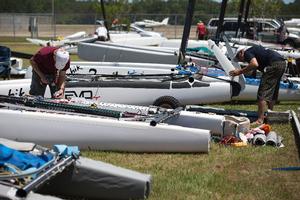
(59, 94)
(235, 72)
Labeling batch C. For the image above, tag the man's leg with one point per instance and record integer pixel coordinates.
(37, 88)
(269, 87)
(271, 104)
(261, 110)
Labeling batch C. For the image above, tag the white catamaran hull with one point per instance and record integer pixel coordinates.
(100, 133)
(130, 92)
(118, 68)
(249, 93)
(285, 94)
(288, 91)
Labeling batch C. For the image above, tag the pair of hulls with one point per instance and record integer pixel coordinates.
(167, 131)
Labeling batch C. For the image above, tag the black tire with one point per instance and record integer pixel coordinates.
(167, 102)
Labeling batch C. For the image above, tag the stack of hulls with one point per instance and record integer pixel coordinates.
(48, 122)
(289, 87)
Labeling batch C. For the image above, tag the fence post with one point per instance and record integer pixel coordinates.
(53, 20)
(33, 26)
(14, 28)
(176, 21)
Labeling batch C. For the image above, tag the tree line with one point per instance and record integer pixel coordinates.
(157, 9)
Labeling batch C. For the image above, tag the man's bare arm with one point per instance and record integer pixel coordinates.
(251, 66)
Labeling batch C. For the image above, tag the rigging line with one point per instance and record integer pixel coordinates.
(96, 95)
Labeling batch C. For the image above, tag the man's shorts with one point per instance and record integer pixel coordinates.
(38, 89)
(270, 81)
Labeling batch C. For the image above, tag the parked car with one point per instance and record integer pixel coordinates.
(213, 23)
(265, 30)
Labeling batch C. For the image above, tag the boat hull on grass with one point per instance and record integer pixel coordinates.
(133, 92)
(147, 93)
(64, 173)
(287, 91)
(100, 133)
(82, 181)
(217, 124)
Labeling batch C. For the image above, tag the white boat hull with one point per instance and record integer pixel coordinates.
(285, 94)
(287, 91)
(100, 133)
(131, 93)
(122, 68)
(136, 39)
(111, 68)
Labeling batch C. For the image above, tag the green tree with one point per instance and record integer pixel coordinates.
(258, 8)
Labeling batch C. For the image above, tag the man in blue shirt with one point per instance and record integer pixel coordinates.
(272, 65)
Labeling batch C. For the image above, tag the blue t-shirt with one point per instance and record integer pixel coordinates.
(264, 56)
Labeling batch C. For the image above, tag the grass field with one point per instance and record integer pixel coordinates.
(225, 173)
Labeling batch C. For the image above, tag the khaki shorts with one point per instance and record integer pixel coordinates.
(270, 81)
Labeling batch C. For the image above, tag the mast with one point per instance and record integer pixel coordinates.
(241, 12)
(186, 30)
(221, 20)
(104, 18)
(246, 15)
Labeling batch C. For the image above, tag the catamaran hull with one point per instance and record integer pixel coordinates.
(91, 179)
(83, 178)
(130, 92)
(285, 94)
(110, 52)
(99, 133)
(117, 68)
(217, 124)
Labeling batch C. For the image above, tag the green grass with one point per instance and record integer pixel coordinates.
(224, 173)
(21, 45)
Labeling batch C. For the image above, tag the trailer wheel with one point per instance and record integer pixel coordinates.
(167, 102)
